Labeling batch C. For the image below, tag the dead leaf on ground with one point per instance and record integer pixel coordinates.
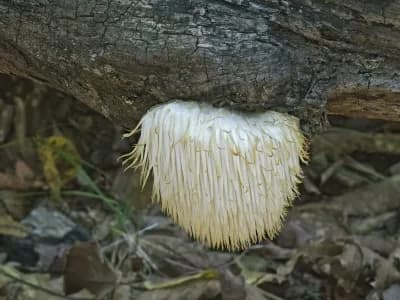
(12, 228)
(296, 233)
(254, 277)
(382, 244)
(23, 171)
(366, 225)
(174, 256)
(232, 284)
(22, 178)
(122, 292)
(10, 181)
(17, 285)
(387, 271)
(370, 200)
(201, 289)
(48, 223)
(353, 267)
(85, 268)
(16, 204)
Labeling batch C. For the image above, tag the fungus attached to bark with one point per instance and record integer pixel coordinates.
(226, 177)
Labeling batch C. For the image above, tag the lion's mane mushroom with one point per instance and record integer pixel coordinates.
(226, 177)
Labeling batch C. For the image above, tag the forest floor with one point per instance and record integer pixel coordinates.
(74, 225)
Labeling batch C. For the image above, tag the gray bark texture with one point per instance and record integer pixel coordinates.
(121, 57)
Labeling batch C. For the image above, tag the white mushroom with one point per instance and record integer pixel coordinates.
(226, 177)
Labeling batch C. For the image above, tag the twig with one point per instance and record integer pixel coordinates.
(39, 288)
(270, 295)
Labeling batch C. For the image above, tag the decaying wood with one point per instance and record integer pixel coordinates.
(366, 103)
(123, 56)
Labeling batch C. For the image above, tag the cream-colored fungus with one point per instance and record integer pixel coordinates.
(226, 177)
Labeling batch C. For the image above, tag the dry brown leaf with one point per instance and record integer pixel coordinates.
(296, 233)
(387, 271)
(255, 277)
(18, 285)
(122, 292)
(85, 268)
(370, 200)
(335, 260)
(175, 256)
(347, 263)
(16, 204)
(194, 290)
(22, 178)
(23, 171)
(10, 181)
(232, 285)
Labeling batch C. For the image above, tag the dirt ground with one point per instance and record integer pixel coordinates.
(74, 225)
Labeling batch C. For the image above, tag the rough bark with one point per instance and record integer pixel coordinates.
(123, 56)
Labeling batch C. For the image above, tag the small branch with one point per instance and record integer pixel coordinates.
(39, 288)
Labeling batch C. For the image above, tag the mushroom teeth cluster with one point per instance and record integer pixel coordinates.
(226, 177)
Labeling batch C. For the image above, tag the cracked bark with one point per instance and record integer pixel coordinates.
(120, 57)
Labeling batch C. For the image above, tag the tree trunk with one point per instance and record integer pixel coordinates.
(123, 56)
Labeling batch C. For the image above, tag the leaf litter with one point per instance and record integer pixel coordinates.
(103, 239)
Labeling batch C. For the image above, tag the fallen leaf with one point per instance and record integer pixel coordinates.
(387, 271)
(9, 181)
(123, 292)
(370, 200)
(23, 171)
(232, 283)
(85, 268)
(12, 228)
(18, 285)
(22, 178)
(174, 256)
(48, 223)
(16, 204)
(201, 289)
(256, 277)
